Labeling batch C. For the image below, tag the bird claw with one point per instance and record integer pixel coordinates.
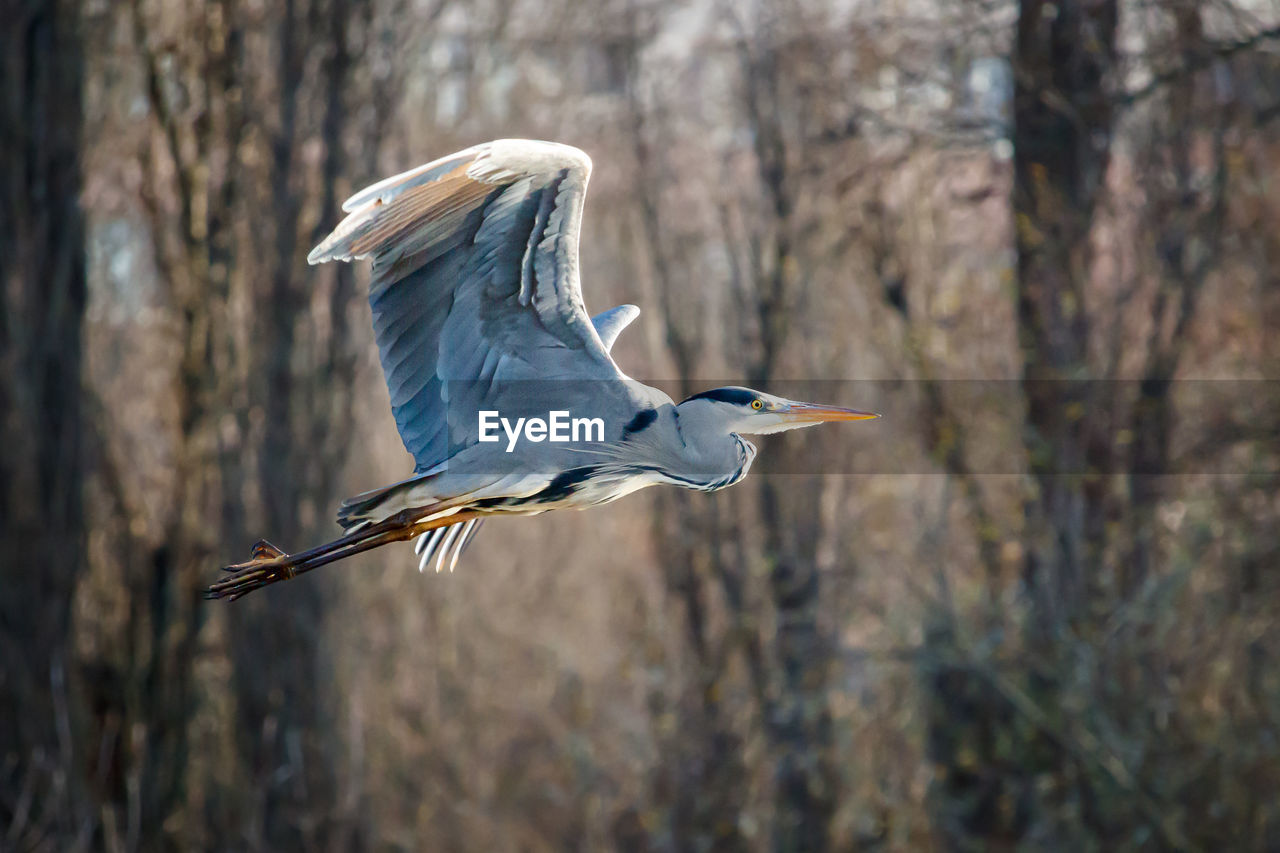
(263, 552)
(267, 566)
(246, 577)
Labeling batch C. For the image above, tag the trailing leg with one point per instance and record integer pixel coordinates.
(269, 565)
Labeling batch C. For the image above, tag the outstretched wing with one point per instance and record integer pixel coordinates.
(475, 279)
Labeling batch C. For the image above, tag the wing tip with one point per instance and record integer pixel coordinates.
(326, 251)
(388, 188)
(486, 163)
(340, 245)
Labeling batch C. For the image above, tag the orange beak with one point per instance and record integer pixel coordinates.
(812, 413)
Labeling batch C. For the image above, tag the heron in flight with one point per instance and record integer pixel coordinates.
(477, 310)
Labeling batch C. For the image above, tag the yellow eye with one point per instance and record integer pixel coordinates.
(757, 404)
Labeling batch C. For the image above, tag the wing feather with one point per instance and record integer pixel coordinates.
(475, 279)
(609, 324)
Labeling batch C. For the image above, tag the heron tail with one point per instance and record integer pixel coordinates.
(373, 506)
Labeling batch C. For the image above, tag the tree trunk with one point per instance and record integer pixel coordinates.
(991, 763)
(42, 270)
(1063, 64)
(284, 702)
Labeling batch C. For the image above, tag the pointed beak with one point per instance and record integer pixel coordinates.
(812, 413)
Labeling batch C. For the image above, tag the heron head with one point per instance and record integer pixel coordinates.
(749, 412)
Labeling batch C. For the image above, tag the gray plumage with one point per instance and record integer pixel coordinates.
(477, 306)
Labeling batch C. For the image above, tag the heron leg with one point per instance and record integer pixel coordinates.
(269, 565)
(268, 556)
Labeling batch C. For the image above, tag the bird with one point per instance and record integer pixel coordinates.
(478, 312)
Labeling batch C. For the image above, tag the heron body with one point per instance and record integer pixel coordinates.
(477, 306)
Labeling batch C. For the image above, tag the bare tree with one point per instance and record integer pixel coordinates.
(1074, 198)
(42, 534)
(1064, 73)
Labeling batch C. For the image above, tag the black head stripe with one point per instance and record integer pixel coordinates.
(736, 396)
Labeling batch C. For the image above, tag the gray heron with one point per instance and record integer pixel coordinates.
(477, 307)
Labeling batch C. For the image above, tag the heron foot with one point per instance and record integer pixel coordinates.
(262, 552)
(270, 565)
(267, 566)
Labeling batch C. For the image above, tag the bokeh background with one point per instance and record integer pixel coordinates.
(1047, 624)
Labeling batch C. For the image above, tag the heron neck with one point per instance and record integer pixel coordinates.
(707, 440)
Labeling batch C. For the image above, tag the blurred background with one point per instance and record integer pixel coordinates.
(1045, 624)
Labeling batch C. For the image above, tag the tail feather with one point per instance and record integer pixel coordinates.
(374, 506)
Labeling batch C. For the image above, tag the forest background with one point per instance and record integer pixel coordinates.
(1034, 607)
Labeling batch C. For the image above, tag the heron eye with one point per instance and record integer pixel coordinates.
(757, 403)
